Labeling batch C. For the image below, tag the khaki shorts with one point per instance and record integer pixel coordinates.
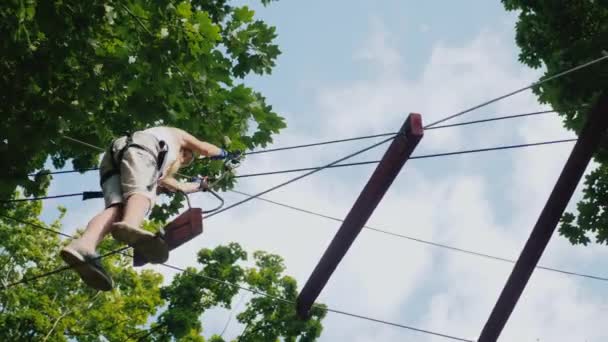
(138, 170)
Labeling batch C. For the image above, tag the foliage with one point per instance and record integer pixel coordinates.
(562, 35)
(265, 318)
(95, 70)
(60, 307)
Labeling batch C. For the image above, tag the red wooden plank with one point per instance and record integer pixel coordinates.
(182, 229)
(393, 160)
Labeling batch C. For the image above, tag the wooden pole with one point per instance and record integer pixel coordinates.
(587, 144)
(393, 160)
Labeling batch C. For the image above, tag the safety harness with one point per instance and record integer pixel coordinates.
(159, 158)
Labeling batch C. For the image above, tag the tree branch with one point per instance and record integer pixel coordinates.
(93, 299)
(136, 18)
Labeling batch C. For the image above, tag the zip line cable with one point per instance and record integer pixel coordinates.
(327, 309)
(423, 156)
(266, 191)
(58, 270)
(430, 243)
(498, 118)
(435, 123)
(37, 226)
(61, 269)
(535, 84)
(311, 172)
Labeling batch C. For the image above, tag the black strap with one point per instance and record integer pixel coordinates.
(105, 176)
(158, 158)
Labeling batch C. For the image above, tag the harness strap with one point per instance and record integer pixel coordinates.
(158, 158)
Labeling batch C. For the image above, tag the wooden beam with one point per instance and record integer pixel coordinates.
(587, 144)
(393, 160)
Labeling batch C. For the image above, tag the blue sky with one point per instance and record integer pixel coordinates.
(358, 67)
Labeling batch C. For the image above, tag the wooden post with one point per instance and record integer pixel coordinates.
(393, 160)
(587, 144)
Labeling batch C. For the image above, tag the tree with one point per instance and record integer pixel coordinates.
(60, 307)
(266, 319)
(562, 35)
(94, 70)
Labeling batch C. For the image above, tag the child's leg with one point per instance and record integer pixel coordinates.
(154, 249)
(81, 253)
(135, 210)
(97, 229)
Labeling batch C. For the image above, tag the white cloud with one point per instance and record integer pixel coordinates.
(378, 49)
(455, 78)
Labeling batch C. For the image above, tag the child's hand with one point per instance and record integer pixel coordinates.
(201, 183)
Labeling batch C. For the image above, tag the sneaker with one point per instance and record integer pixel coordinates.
(152, 247)
(89, 267)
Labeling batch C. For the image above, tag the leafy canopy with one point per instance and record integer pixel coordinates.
(562, 35)
(60, 307)
(95, 70)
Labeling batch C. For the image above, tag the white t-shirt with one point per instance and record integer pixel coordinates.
(166, 134)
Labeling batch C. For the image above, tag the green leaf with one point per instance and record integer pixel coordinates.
(560, 36)
(94, 70)
(243, 14)
(184, 9)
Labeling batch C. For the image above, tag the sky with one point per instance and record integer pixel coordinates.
(353, 68)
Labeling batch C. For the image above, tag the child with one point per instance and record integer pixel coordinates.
(130, 171)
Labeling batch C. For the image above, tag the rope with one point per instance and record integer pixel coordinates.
(452, 248)
(58, 270)
(535, 84)
(34, 225)
(424, 156)
(328, 142)
(236, 307)
(430, 243)
(498, 118)
(323, 308)
(61, 269)
(313, 171)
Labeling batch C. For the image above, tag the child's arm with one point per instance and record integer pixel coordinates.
(190, 142)
(173, 184)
